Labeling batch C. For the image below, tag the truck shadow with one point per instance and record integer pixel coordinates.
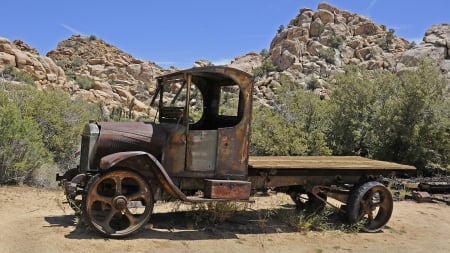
(197, 225)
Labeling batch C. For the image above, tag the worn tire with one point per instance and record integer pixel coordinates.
(372, 204)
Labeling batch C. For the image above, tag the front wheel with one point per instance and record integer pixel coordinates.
(372, 204)
(117, 203)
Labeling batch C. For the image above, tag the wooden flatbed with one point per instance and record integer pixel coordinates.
(353, 163)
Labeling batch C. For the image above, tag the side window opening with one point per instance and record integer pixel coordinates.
(229, 105)
(174, 102)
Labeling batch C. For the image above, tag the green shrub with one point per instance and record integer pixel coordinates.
(401, 118)
(76, 62)
(21, 147)
(328, 54)
(266, 67)
(313, 84)
(51, 123)
(61, 121)
(296, 124)
(11, 73)
(85, 82)
(336, 41)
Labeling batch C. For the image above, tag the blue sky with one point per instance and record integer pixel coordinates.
(179, 32)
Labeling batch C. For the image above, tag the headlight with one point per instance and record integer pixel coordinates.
(88, 145)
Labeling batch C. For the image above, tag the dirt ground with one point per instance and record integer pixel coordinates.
(35, 220)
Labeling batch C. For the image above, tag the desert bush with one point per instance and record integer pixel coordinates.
(336, 41)
(37, 128)
(401, 118)
(12, 73)
(61, 121)
(85, 82)
(213, 213)
(21, 148)
(313, 84)
(76, 62)
(328, 54)
(266, 67)
(295, 125)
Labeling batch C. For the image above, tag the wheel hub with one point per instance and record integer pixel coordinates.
(120, 203)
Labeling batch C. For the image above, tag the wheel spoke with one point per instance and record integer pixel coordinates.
(97, 197)
(106, 223)
(118, 183)
(131, 218)
(137, 195)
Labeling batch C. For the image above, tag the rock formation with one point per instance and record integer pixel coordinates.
(118, 78)
(313, 47)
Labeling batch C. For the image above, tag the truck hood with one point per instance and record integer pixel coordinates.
(131, 136)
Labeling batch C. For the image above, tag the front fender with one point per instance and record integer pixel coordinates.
(145, 161)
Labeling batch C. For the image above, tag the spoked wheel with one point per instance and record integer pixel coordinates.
(372, 204)
(117, 203)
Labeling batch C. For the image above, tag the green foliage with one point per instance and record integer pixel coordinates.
(61, 121)
(264, 53)
(401, 118)
(411, 45)
(305, 221)
(280, 28)
(266, 67)
(39, 127)
(387, 41)
(296, 125)
(85, 82)
(328, 54)
(21, 149)
(77, 62)
(336, 41)
(313, 84)
(12, 73)
(92, 37)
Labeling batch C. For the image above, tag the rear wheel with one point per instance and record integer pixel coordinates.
(372, 204)
(117, 203)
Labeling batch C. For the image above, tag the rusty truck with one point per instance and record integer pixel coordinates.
(197, 150)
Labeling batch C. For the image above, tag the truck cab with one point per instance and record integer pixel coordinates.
(210, 109)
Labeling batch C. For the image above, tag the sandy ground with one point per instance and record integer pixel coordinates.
(35, 220)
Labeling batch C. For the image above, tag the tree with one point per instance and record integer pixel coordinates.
(402, 118)
(295, 125)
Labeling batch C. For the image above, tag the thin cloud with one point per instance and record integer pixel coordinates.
(369, 8)
(71, 29)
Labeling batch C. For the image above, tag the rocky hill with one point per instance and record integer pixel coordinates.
(317, 44)
(313, 47)
(111, 75)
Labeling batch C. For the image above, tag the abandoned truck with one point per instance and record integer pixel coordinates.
(199, 143)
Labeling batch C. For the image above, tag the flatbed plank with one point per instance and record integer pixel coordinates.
(323, 163)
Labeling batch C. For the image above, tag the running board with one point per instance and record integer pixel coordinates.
(194, 199)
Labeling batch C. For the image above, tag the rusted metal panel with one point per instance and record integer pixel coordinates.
(174, 152)
(232, 153)
(201, 154)
(422, 197)
(227, 189)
